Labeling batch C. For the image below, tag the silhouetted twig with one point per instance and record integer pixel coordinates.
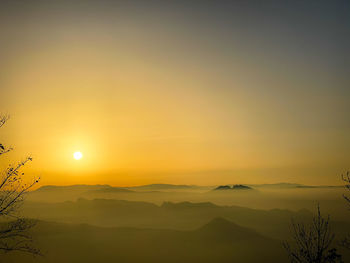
(312, 243)
(346, 178)
(13, 229)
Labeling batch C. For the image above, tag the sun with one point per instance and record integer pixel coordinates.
(77, 155)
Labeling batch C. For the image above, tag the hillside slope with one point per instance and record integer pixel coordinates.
(218, 241)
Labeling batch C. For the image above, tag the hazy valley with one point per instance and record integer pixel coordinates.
(103, 222)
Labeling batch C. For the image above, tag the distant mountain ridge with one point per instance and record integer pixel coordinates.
(234, 187)
(162, 186)
(292, 185)
(174, 186)
(181, 215)
(72, 187)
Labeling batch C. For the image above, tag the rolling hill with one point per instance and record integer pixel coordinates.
(182, 216)
(217, 241)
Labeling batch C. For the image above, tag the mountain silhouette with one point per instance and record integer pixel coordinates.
(217, 241)
(223, 187)
(224, 230)
(234, 187)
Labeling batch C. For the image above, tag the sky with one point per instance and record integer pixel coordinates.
(182, 92)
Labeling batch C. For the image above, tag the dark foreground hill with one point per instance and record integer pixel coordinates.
(217, 241)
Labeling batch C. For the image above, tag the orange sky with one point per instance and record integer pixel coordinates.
(158, 99)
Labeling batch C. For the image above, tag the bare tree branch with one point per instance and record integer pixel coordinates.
(346, 178)
(14, 235)
(3, 119)
(312, 243)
